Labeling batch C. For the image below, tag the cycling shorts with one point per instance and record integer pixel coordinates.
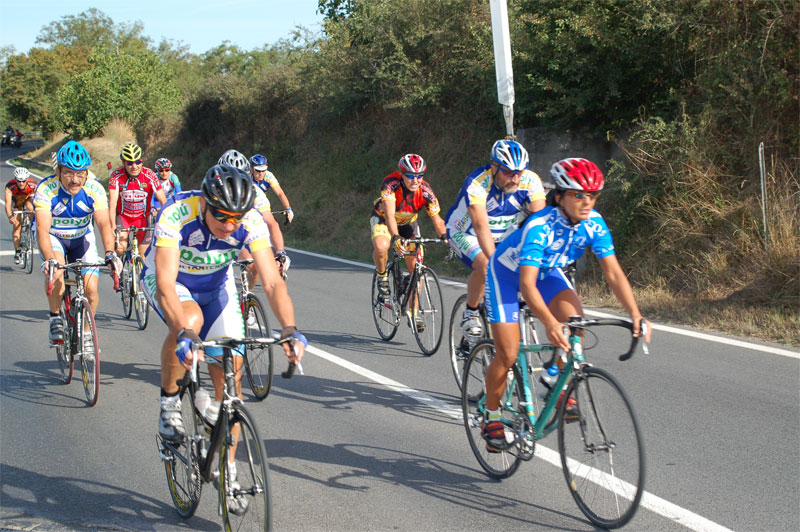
(502, 292)
(378, 228)
(465, 246)
(83, 248)
(141, 221)
(222, 312)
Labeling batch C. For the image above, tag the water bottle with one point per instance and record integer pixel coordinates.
(201, 401)
(404, 283)
(548, 378)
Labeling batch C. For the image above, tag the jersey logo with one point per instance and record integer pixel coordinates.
(59, 208)
(83, 206)
(491, 204)
(196, 238)
(513, 201)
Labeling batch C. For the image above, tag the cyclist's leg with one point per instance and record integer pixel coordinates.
(85, 249)
(16, 232)
(252, 271)
(143, 237)
(123, 222)
(54, 299)
(381, 240)
(561, 298)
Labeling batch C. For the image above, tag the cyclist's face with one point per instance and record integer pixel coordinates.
(577, 209)
(163, 173)
(72, 180)
(133, 168)
(259, 175)
(507, 180)
(219, 229)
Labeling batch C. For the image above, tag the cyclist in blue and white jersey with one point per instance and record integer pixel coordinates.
(491, 203)
(530, 261)
(188, 280)
(66, 203)
(266, 180)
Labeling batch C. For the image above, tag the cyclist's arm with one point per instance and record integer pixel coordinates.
(9, 202)
(113, 198)
(166, 279)
(619, 284)
(391, 222)
(275, 233)
(480, 221)
(160, 196)
(102, 218)
(44, 220)
(438, 225)
(532, 296)
(535, 205)
(281, 196)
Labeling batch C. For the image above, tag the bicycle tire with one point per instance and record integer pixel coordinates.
(66, 362)
(496, 464)
(258, 360)
(430, 307)
(125, 290)
(182, 461)
(386, 313)
(139, 302)
(602, 453)
(90, 356)
(27, 248)
(251, 475)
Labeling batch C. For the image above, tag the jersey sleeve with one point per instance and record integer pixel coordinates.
(167, 231)
(257, 231)
(432, 203)
(478, 188)
(532, 184)
(98, 194)
(47, 189)
(176, 183)
(600, 236)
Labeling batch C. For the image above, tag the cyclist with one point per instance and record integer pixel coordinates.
(265, 180)
(169, 181)
(19, 196)
(404, 193)
(66, 203)
(188, 280)
(238, 160)
(130, 190)
(530, 261)
(489, 206)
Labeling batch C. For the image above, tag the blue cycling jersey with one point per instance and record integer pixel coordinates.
(549, 241)
(72, 216)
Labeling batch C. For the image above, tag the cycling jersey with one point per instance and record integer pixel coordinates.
(268, 182)
(261, 203)
(407, 204)
(135, 193)
(504, 210)
(170, 186)
(204, 259)
(72, 215)
(20, 193)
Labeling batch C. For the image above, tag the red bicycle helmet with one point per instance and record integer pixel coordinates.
(577, 174)
(411, 163)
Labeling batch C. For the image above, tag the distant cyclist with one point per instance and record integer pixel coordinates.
(66, 205)
(130, 191)
(19, 196)
(266, 180)
(491, 203)
(169, 181)
(404, 193)
(530, 261)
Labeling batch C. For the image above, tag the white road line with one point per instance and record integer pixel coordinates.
(649, 501)
(658, 327)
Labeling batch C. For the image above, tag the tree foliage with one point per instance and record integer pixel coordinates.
(93, 28)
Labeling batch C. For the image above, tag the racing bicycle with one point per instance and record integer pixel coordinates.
(131, 291)
(26, 242)
(599, 440)
(417, 295)
(258, 357)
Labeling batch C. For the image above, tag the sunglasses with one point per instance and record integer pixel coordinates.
(225, 216)
(131, 163)
(583, 195)
(165, 170)
(414, 176)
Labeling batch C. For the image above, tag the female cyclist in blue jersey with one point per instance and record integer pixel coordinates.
(530, 261)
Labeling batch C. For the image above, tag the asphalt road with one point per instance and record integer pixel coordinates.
(366, 439)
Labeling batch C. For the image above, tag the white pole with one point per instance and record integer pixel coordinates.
(502, 61)
(763, 171)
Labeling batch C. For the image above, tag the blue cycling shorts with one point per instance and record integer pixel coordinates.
(502, 291)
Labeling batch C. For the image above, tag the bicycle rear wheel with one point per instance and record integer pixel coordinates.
(430, 308)
(125, 291)
(385, 312)
(460, 345)
(245, 497)
(27, 248)
(66, 362)
(182, 460)
(89, 349)
(137, 294)
(497, 464)
(602, 454)
(257, 359)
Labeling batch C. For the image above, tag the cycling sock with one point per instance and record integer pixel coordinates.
(53, 315)
(493, 415)
(165, 394)
(474, 309)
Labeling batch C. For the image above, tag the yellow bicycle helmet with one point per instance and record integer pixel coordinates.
(130, 152)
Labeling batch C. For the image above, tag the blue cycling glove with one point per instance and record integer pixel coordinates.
(184, 346)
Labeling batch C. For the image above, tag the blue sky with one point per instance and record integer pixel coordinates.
(201, 24)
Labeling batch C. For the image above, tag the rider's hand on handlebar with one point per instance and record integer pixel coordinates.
(289, 215)
(648, 329)
(398, 244)
(183, 347)
(296, 347)
(113, 260)
(556, 335)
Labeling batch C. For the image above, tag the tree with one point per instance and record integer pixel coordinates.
(93, 28)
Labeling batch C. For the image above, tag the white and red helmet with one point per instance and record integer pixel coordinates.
(411, 163)
(577, 174)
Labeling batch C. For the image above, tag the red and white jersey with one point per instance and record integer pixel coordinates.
(135, 194)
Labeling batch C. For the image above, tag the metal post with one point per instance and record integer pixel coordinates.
(762, 169)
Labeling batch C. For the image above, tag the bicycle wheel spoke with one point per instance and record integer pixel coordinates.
(181, 462)
(429, 310)
(66, 362)
(125, 289)
(137, 295)
(89, 349)
(258, 359)
(385, 312)
(601, 451)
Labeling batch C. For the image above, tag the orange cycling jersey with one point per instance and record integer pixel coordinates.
(407, 203)
(20, 193)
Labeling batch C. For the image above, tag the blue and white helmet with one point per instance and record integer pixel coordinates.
(510, 155)
(74, 156)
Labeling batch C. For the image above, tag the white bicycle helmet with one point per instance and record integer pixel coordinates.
(21, 174)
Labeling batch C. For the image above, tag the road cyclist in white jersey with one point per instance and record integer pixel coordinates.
(493, 200)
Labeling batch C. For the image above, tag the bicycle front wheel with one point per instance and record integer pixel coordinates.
(66, 362)
(430, 311)
(182, 460)
(258, 358)
(137, 295)
(244, 495)
(497, 464)
(601, 448)
(89, 349)
(27, 248)
(125, 289)
(385, 311)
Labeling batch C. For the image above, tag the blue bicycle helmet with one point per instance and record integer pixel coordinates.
(74, 156)
(258, 162)
(510, 155)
